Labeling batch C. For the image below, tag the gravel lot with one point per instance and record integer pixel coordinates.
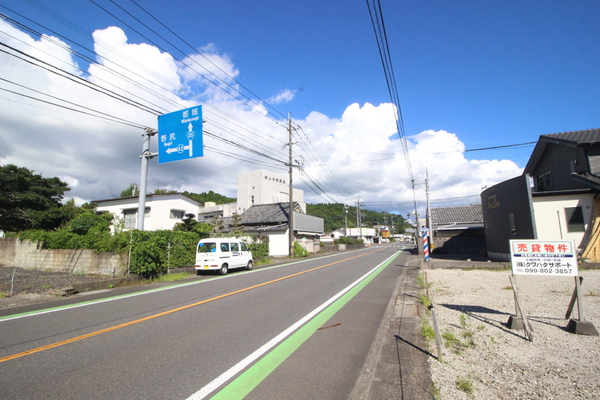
(32, 286)
(493, 362)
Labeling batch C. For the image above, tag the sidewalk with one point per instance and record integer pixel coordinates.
(397, 365)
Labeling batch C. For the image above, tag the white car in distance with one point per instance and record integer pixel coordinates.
(222, 254)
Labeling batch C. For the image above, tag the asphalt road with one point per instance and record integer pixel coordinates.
(300, 330)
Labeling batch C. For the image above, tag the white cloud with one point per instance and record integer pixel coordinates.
(350, 157)
(285, 96)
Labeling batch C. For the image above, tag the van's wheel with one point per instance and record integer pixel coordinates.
(223, 270)
(249, 266)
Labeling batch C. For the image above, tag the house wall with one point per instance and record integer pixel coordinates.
(507, 214)
(160, 207)
(466, 241)
(279, 243)
(551, 222)
(558, 160)
(160, 212)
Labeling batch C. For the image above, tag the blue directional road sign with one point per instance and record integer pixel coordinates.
(180, 135)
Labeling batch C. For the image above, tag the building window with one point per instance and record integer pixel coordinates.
(511, 222)
(548, 179)
(129, 218)
(541, 182)
(177, 214)
(574, 217)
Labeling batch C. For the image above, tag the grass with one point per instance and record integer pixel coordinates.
(435, 391)
(593, 294)
(172, 277)
(423, 284)
(464, 385)
(450, 340)
(46, 286)
(466, 338)
(423, 298)
(3, 295)
(427, 332)
(463, 320)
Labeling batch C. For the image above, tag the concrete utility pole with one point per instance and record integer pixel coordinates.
(429, 222)
(358, 222)
(146, 155)
(291, 197)
(345, 220)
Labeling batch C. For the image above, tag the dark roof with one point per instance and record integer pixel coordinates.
(569, 139)
(579, 138)
(267, 214)
(589, 180)
(462, 215)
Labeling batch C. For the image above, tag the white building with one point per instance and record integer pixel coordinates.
(163, 211)
(265, 187)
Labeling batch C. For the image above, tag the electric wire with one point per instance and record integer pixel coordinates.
(112, 117)
(308, 148)
(208, 60)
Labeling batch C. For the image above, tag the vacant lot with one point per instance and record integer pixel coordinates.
(483, 359)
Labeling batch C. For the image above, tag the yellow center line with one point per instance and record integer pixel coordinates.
(137, 321)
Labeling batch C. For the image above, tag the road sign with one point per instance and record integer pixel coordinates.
(543, 257)
(180, 135)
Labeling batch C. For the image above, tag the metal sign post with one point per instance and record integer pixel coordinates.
(180, 135)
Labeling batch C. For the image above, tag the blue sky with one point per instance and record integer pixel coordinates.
(474, 74)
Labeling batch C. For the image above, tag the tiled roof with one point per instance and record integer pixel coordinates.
(590, 180)
(588, 136)
(267, 214)
(463, 214)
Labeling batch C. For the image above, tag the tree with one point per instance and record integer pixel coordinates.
(164, 191)
(87, 220)
(29, 201)
(237, 229)
(132, 190)
(217, 225)
(187, 224)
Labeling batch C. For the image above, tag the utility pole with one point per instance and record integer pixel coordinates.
(358, 223)
(429, 222)
(291, 189)
(345, 220)
(146, 155)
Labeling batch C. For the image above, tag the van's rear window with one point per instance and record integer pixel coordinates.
(207, 247)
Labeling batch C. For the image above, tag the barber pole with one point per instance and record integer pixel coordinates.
(425, 245)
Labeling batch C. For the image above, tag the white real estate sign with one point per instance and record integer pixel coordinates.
(543, 257)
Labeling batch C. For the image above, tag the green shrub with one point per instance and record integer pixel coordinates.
(347, 240)
(260, 252)
(300, 251)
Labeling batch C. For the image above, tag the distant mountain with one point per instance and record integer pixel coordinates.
(334, 217)
(210, 196)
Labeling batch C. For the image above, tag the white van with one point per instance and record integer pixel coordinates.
(222, 254)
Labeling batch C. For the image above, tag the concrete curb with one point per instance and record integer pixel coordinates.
(397, 364)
